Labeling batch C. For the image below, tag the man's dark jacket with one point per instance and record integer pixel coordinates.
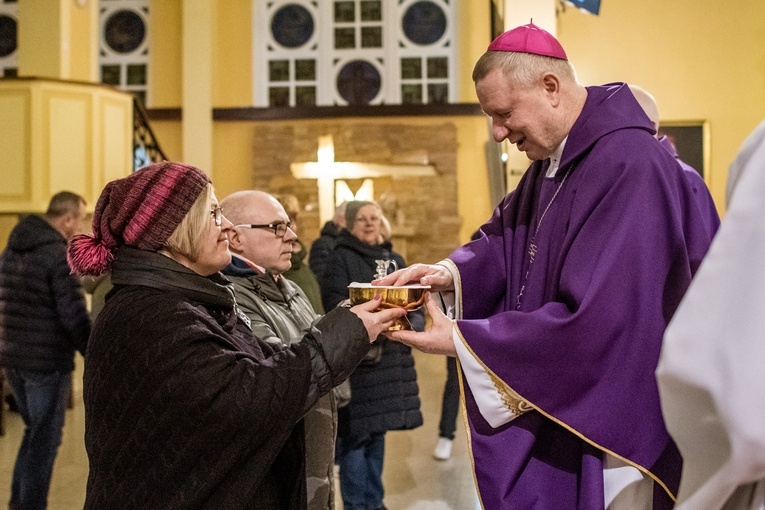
(322, 248)
(43, 314)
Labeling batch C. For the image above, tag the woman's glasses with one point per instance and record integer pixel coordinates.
(217, 214)
(279, 228)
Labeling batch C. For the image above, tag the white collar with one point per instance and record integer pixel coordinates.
(555, 159)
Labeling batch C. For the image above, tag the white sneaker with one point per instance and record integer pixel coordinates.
(443, 449)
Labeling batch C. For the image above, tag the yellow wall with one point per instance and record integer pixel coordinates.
(40, 42)
(168, 134)
(701, 60)
(473, 29)
(232, 157)
(232, 64)
(165, 55)
(84, 42)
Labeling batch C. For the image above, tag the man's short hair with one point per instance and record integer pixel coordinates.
(64, 202)
(524, 68)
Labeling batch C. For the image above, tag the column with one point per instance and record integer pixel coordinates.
(59, 39)
(197, 52)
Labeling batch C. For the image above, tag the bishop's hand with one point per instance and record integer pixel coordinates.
(438, 339)
(438, 277)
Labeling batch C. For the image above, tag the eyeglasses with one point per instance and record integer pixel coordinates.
(279, 228)
(217, 214)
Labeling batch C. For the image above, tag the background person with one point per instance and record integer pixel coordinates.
(184, 407)
(43, 320)
(710, 370)
(279, 312)
(384, 392)
(322, 247)
(707, 208)
(299, 272)
(562, 302)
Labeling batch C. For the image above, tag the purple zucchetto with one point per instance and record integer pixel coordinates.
(529, 39)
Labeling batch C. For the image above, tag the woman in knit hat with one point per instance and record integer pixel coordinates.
(184, 408)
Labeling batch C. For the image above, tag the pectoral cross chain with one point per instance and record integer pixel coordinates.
(533, 245)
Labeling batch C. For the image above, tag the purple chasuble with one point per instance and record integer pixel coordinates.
(704, 200)
(615, 254)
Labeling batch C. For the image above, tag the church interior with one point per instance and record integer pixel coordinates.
(331, 100)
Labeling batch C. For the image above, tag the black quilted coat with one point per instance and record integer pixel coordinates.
(43, 315)
(383, 396)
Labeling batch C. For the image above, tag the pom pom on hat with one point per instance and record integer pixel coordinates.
(529, 39)
(88, 255)
(141, 210)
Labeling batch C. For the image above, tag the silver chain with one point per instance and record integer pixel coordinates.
(532, 245)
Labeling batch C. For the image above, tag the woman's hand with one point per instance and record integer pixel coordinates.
(436, 340)
(438, 277)
(376, 321)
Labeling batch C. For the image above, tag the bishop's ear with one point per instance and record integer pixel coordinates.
(551, 84)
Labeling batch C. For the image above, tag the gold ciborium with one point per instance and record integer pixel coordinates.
(408, 297)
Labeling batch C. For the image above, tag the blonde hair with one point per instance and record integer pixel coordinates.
(524, 68)
(185, 238)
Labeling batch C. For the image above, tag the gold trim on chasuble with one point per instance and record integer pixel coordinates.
(468, 432)
(515, 399)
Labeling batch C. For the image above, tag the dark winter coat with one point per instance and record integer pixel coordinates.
(383, 396)
(322, 248)
(43, 314)
(302, 275)
(184, 408)
(280, 313)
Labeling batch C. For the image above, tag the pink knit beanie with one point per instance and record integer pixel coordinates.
(141, 210)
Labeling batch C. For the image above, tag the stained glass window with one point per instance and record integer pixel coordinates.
(124, 45)
(353, 52)
(9, 29)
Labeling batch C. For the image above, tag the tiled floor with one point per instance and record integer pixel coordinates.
(413, 479)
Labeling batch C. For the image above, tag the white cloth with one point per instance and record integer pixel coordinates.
(712, 362)
(625, 487)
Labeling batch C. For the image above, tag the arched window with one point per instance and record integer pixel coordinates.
(124, 45)
(9, 39)
(353, 52)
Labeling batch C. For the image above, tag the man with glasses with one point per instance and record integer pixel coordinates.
(261, 245)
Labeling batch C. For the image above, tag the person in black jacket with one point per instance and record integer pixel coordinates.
(323, 246)
(184, 407)
(43, 320)
(384, 393)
